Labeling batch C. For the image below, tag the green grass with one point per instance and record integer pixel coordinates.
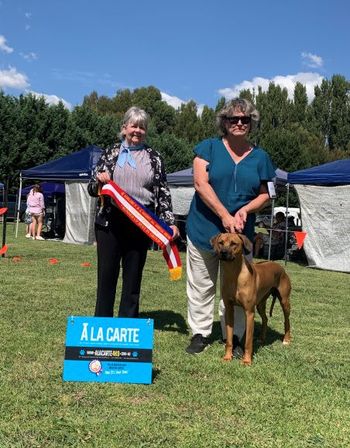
(296, 396)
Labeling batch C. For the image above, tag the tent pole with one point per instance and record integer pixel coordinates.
(19, 202)
(286, 237)
(271, 225)
(5, 215)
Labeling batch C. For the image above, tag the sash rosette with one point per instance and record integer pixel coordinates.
(149, 223)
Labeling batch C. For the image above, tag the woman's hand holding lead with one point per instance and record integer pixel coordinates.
(176, 232)
(103, 177)
(229, 223)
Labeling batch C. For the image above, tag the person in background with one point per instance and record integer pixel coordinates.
(36, 208)
(138, 170)
(230, 178)
(277, 235)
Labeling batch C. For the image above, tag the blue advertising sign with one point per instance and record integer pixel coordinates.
(107, 349)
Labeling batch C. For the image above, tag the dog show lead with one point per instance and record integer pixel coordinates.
(230, 179)
(139, 171)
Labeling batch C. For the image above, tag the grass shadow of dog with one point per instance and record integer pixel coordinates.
(167, 320)
(271, 337)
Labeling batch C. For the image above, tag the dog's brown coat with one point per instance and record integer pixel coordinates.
(249, 285)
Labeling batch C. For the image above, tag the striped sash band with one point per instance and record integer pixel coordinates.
(149, 223)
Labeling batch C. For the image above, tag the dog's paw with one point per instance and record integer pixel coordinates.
(246, 361)
(227, 358)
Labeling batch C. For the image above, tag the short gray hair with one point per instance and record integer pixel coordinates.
(241, 104)
(135, 115)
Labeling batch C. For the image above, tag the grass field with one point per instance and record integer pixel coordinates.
(296, 396)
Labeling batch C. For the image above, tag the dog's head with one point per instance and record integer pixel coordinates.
(229, 246)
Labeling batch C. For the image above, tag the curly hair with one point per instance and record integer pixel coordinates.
(237, 104)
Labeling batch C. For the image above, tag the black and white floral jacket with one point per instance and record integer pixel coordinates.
(162, 207)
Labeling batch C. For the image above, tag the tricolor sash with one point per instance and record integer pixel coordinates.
(149, 223)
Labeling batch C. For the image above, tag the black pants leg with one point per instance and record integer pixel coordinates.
(133, 261)
(121, 241)
(108, 266)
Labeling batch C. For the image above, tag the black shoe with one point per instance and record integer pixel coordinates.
(198, 344)
(238, 350)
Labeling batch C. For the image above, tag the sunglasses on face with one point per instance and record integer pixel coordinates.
(234, 120)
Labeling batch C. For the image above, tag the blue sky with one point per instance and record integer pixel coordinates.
(189, 49)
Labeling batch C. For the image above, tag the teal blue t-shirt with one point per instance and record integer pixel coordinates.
(234, 184)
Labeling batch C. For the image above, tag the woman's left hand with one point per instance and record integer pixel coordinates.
(176, 232)
(241, 219)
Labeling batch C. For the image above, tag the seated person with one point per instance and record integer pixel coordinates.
(277, 236)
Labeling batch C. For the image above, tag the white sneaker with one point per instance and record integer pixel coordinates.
(28, 235)
(40, 238)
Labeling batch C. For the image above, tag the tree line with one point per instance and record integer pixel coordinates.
(296, 133)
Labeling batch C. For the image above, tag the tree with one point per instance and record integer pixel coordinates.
(339, 122)
(208, 119)
(177, 153)
(188, 124)
(300, 104)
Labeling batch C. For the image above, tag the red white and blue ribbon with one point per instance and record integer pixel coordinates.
(149, 223)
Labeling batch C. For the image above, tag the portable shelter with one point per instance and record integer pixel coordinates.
(74, 170)
(48, 188)
(324, 196)
(182, 190)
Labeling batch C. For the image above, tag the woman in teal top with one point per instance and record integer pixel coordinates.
(230, 177)
(235, 185)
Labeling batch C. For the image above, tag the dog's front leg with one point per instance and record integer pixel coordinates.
(229, 330)
(249, 331)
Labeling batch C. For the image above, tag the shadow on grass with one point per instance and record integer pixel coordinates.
(167, 320)
(155, 373)
(271, 336)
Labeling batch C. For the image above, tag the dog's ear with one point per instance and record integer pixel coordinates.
(247, 244)
(214, 239)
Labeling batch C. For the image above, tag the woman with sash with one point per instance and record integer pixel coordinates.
(139, 171)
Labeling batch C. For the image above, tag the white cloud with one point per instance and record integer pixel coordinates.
(200, 108)
(176, 102)
(3, 46)
(31, 56)
(13, 79)
(309, 80)
(312, 60)
(51, 99)
(28, 15)
(172, 100)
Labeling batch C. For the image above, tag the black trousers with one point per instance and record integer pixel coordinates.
(121, 243)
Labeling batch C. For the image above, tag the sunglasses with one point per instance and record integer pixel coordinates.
(234, 120)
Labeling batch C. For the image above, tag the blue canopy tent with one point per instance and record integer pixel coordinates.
(74, 170)
(324, 196)
(332, 173)
(48, 188)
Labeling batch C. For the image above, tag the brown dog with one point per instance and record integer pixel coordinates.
(249, 285)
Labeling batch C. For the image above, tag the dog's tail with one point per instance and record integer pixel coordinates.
(274, 293)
